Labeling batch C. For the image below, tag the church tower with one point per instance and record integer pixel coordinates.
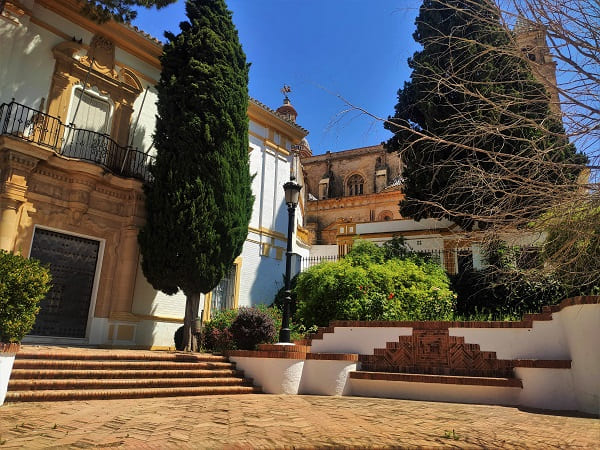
(531, 40)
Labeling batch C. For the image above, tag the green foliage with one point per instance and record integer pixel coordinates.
(252, 327)
(200, 200)
(474, 126)
(572, 248)
(507, 288)
(363, 287)
(396, 248)
(280, 296)
(178, 338)
(218, 334)
(365, 254)
(118, 10)
(23, 284)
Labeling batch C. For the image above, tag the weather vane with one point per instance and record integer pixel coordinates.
(285, 90)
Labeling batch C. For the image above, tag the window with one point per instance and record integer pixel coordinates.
(93, 113)
(355, 185)
(88, 114)
(223, 296)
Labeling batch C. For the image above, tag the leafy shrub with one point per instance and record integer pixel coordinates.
(221, 340)
(513, 283)
(218, 336)
(178, 338)
(500, 294)
(23, 284)
(273, 313)
(252, 327)
(213, 337)
(366, 286)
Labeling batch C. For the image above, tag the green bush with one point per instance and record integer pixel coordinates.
(513, 283)
(252, 327)
(23, 284)
(216, 331)
(217, 335)
(366, 286)
(501, 294)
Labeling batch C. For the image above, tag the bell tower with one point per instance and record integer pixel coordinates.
(531, 40)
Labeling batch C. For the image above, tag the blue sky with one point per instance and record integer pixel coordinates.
(321, 48)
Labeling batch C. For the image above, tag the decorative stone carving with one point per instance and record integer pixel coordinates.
(70, 70)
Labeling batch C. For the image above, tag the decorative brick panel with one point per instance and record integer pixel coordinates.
(435, 352)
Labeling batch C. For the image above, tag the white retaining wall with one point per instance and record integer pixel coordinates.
(573, 333)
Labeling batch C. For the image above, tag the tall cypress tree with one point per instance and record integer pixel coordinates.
(477, 138)
(200, 200)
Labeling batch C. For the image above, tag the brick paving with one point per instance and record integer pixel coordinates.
(278, 421)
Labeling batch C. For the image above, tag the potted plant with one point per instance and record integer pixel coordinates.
(23, 283)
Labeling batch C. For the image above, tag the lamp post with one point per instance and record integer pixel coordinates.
(292, 194)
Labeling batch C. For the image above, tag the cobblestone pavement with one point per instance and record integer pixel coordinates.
(276, 421)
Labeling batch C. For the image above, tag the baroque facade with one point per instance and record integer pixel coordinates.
(77, 109)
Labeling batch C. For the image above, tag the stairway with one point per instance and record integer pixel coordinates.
(55, 373)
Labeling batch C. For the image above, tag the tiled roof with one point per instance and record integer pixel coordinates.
(142, 33)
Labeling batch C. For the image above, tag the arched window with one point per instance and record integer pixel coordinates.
(355, 185)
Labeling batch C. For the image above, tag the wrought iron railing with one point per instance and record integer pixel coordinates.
(42, 129)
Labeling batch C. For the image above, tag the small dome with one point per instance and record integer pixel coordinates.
(287, 110)
(306, 152)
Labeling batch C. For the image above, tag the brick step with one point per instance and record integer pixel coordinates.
(58, 373)
(120, 383)
(105, 394)
(438, 379)
(104, 374)
(41, 364)
(28, 352)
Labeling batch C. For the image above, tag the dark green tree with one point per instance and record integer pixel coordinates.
(119, 10)
(200, 200)
(475, 130)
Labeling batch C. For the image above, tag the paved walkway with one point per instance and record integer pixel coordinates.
(276, 421)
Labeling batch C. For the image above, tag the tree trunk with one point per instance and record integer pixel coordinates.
(192, 306)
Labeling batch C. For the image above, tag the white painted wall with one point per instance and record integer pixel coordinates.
(6, 364)
(490, 395)
(323, 250)
(261, 276)
(545, 340)
(361, 340)
(26, 62)
(547, 388)
(273, 375)
(582, 332)
(322, 377)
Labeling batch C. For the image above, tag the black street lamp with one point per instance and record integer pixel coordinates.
(292, 194)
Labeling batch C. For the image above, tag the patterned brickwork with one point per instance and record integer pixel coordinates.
(435, 352)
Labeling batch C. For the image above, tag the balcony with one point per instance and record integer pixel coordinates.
(34, 126)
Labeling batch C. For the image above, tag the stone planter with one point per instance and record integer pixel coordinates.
(7, 358)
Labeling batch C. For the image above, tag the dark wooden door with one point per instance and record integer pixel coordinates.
(72, 259)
